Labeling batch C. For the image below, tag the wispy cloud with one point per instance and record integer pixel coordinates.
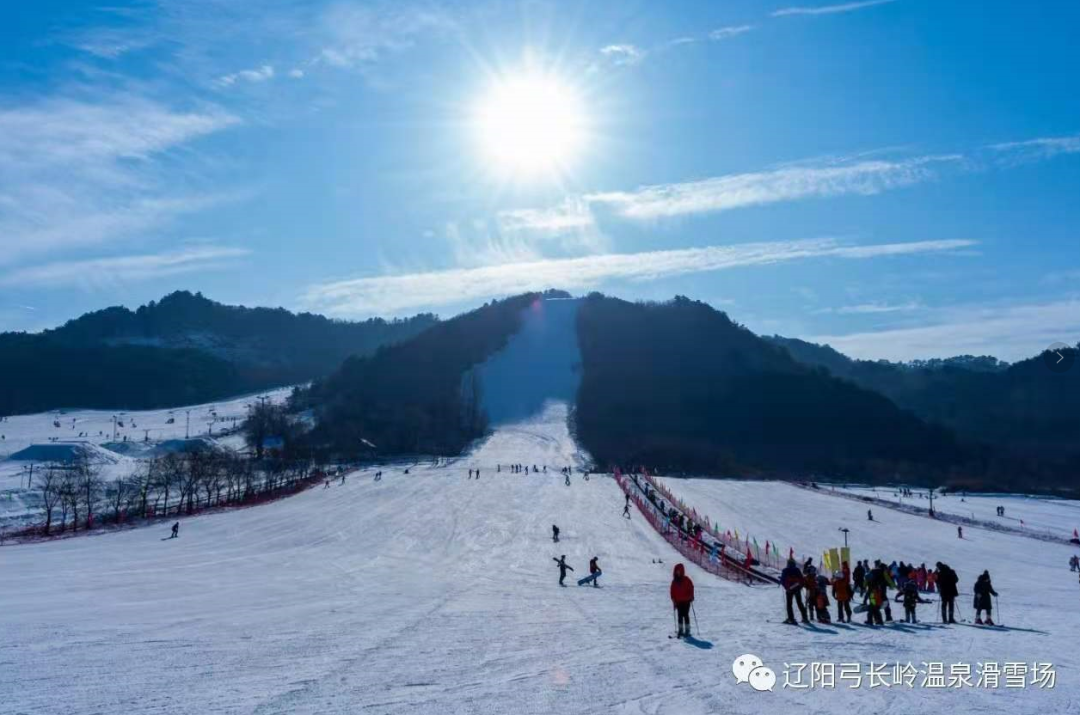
(623, 54)
(570, 215)
(733, 191)
(829, 9)
(1007, 332)
(723, 33)
(398, 293)
(359, 36)
(1040, 148)
(872, 308)
(108, 272)
(256, 75)
(75, 171)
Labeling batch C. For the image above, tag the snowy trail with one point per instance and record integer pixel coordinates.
(1058, 517)
(433, 593)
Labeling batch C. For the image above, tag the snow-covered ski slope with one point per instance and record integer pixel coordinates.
(434, 593)
(97, 426)
(1040, 515)
(35, 439)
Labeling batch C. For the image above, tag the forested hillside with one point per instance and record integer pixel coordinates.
(416, 396)
(680, 386)
(182, 349)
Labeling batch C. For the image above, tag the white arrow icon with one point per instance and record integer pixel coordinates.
(1060, 356)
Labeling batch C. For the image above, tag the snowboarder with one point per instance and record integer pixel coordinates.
(959, 532)
(682, 597)
(841, 591)
(860, 577)
(555, 533)
(594, 570)
(911, 599)
(984, 589)
(563, 568)
(869, 515)
(791, 579)
(175, 530)
(947, 581)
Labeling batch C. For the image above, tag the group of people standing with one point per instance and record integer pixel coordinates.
(873, 585)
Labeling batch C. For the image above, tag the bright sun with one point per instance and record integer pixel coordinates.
(530, 125)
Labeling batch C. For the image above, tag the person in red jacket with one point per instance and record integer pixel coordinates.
(682, 595)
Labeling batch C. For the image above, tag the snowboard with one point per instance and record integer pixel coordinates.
(589, 579)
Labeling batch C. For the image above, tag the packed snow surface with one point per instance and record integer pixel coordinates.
(1040, 515)
(435, 593)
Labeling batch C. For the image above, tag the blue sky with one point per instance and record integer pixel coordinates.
(898, 178)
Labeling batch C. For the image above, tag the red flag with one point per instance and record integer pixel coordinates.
(766, 547)
(791, 553)
(1075, 534)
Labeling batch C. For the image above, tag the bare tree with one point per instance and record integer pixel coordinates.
(48, 483)
(120, 490)
(69, 499)
(88, 481)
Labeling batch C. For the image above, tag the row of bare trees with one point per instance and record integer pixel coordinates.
(74, 495)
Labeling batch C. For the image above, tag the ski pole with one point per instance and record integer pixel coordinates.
(997, 602)
(694, 611)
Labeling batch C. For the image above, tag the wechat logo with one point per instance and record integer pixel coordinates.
(749, 669)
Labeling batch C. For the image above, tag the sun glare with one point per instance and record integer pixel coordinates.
(529, 126)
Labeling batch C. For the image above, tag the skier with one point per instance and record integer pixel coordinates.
(1074, 563)
(791, 579)
(594, 570)
(175, 530)
(563, 567)
(959, 532)
(555, 533)
(682, 596)
(947, 581)
(841, 591)
(626, 510)
(911, 599)
(470, 474)
(478, 475)
(869, 515)
(984, 589)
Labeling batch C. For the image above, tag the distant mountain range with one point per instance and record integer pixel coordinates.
(182, 349)
(677, 385)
